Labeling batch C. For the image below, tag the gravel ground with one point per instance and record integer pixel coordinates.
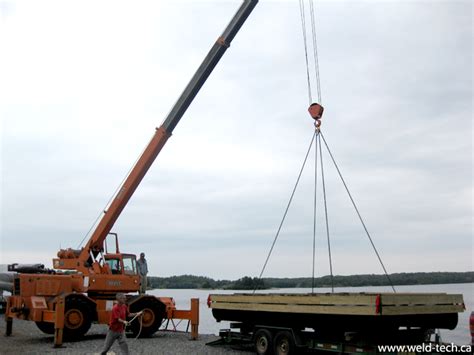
(28, 339)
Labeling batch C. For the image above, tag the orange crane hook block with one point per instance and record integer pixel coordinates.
(316, 111)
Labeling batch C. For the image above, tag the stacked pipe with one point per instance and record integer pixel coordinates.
(6, 281)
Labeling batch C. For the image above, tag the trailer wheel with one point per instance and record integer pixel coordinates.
(45, 327)
(77, 318)
(153, 314)
(284, 343)
(262, 341)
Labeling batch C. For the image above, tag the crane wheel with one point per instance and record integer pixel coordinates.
(45, 327)
(77, 318)
(153, 315)
(262, 340)
(284, 343)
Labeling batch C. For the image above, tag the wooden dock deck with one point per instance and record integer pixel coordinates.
(344, 311)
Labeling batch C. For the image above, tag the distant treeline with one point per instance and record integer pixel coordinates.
(249, 283)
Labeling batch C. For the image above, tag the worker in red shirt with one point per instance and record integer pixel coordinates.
(117, 324)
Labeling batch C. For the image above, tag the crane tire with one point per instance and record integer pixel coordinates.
(153, 315)
(45, 327)
(77, 318)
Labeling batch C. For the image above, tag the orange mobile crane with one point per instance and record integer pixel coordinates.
(67, 302)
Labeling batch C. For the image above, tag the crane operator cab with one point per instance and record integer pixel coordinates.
(105, 269)
(110, 270)
(101, 261)
(121, 263)
(118, 263)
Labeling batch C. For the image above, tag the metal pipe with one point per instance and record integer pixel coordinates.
(7, 276)
(6, 286)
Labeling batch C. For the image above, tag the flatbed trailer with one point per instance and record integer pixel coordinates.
(341, 322)
(287, 341)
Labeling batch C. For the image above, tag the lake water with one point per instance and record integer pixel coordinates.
(208, 325)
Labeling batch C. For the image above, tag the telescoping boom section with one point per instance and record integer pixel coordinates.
(67, 303)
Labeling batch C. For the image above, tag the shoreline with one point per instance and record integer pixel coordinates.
(289, 288)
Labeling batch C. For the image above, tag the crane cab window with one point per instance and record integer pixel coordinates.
(129, 265)
(114, 265)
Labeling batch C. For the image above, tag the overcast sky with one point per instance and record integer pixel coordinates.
(84, 84)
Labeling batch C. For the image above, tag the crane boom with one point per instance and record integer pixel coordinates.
(165, 130)
(69, 302)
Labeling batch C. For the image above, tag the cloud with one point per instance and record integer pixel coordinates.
(84, 86)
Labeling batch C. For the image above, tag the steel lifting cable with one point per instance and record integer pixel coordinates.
(303, 26)
(319, 136)
(310, 100)
(286, 211)
(358, 213)
(314, 208)
(315, 50)
(326, 213)
(104, 210)
(318, 86)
